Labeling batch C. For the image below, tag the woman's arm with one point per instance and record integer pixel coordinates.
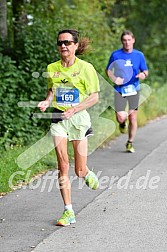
(87, 103)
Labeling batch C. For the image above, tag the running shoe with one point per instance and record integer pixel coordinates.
(67, 218)
(129, 147)
(123, 127)
(91, 180)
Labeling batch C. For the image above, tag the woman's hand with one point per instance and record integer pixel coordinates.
(68, 113)
(43, 105)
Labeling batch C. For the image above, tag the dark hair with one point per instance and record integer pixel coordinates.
(127, 32)
(83, 42)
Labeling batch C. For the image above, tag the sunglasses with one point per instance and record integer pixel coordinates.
(65, 42)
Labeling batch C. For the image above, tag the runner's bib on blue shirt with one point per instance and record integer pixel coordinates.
(128, 90)
(67, 96)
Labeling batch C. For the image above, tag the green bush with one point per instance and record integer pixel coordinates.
(18, 84)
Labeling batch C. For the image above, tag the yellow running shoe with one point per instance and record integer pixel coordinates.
(67, 218)
(129, 147)
(123, 127)
(91, 180)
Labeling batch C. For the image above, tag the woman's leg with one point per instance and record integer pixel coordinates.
(68, 215)
(80, 157)
(63, 167)
(81, 169)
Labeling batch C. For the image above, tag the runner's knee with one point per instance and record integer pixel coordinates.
(121, 116)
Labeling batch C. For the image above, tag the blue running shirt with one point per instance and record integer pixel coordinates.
(127, 65)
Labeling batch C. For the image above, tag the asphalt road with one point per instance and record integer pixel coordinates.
(127, 213)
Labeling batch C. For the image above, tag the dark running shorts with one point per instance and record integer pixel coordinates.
(121, 102)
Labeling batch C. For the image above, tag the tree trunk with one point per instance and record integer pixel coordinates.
(3, 20)
(19, 23)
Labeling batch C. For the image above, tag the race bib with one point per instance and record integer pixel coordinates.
(67, 96)
(128, 90)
